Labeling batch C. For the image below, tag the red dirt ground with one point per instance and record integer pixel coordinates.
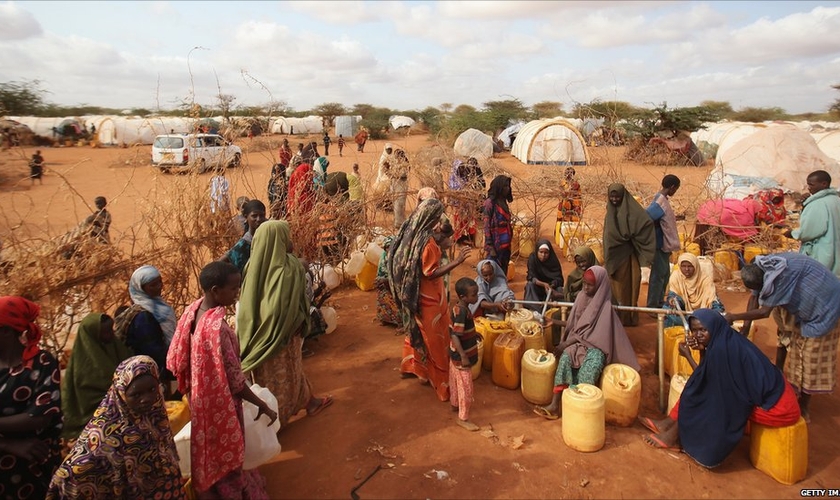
(380, 419)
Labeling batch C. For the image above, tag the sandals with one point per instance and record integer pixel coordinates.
(544, 413)
(649, 424)
(325, 402)
(653, 440)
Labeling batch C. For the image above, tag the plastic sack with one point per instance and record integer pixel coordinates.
(182, 445)
(261, 443)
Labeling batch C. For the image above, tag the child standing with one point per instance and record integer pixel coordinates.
(340, 144)
(463, 352)
(327, 142)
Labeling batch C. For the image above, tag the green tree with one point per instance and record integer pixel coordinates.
(328, 111)
(757, 115)
(226, 105)
(547, 109)
(362, 110)
(21, 98)
(649, 122)
(835, 108)
(722, 108)
(501, 113)
(462, 109)
(377, 122)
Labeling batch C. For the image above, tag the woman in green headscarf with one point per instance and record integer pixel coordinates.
(272, 320)
(629, 244)
(96, 354)
(584, 259)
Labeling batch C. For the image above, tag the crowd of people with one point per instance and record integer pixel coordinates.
(108, 411)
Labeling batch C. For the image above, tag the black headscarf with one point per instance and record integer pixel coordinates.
(548, 271)
(496, 192)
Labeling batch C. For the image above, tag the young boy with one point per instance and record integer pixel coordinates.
(463, 352)
(204, 356)
(340, 145)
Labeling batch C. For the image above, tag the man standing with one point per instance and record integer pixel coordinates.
(667, 239)
(803, 287)
(819, 223)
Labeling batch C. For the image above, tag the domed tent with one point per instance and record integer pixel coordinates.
(777, 156)
(550, 142)
(398, 122)
(307, 125)
(829, 143)
(474, 143)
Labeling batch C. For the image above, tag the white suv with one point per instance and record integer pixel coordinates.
(194, 151)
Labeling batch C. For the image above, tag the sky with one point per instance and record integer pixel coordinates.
(410, 55)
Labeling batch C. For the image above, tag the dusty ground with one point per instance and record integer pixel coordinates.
(380, 419)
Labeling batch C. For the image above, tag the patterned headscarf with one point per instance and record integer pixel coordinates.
(404, 262)
(19, 314)
(160, 309)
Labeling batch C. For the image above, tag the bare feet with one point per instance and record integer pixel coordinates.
(466, 424)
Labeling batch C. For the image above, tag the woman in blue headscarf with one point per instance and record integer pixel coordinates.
(494, 294)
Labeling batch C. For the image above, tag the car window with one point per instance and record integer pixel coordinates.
(211, 141)
(166, 142)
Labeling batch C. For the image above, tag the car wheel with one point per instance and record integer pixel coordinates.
(237, 159)
(165, 170)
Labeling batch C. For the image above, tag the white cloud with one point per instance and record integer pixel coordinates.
(337, 13)
(16, 23)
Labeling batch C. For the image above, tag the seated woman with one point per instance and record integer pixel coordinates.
(126, 450)
(584, 259)
(595, 338)
(545, 276)
(733, 383)
(30, 422)
(96, 354)
(494, 294)
(689, 289)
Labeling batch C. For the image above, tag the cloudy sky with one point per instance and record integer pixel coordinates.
(409, 55)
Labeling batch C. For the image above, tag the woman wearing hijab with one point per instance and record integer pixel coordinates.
(494, 294)
(273, 319)
(147, 327)
(126, 450)
(498, 231)
(319, 169)
(30, 422)
(629, 244)
(733, 383)
(416, 279)
(466, 182)
(301, 202)
(96, 354)
(584, 259)
(689, 288)
(545, 276)
(595, 338)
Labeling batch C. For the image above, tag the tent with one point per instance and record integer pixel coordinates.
(346, 125)
(777, 156)
(509, 134)
(398, 122)
(829, 143)
(474, 143)
(550, 142)
(307, 125)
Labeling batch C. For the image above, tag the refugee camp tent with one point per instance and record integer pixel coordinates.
(24, 134)
(550, 142)
(306, 125)
(509, 134)
(43, 125)
(829, 143)
(474, 143)
(347, 125)
(398, 122)
(776, 156)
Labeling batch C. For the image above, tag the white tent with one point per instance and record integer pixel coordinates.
(347, 125)
(507, 135)
(777, 156)
(829, 143)
(307, 125)
(398, 122)
(550, 142)
(43, 125)
(474, 143)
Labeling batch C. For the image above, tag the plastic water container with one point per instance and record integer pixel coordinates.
(366, 279)
(518, 316)
(597, 248)
(753, 251)
(330, 317)
(476, 368)
(331, 277)
(178, 413)
(511, 272)
(568, 236)
(622, 388)
(584, 427)
(548, 331)
(707, 265)
(727, 255)
(489, 330)
(355, 264)
(780, 452)
(693, 248)
(538, 367)
(674, 363)
(373, 253)
(675, 391)
(507, 360)
(532, 334)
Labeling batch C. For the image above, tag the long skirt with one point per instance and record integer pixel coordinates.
(811, 365)
(588, 373)
(626, 283)
(283, 376)
(386, 308)
(432, 363)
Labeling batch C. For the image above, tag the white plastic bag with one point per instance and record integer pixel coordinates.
(261, 443)
(182, 444)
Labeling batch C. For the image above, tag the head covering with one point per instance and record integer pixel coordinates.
(732, 379)
(594, 323)
(117, 440)
(197, 358)
(628, 229)
(88, 376)
(273, 304)
(301, 196)
(319, 168)
(698, 291)
(499, 190)
(19, 314)
(548, 271)
(457, 177)
(574, 281)
(495, 291)
(426, 193)
(404, 262)
(160, 309)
